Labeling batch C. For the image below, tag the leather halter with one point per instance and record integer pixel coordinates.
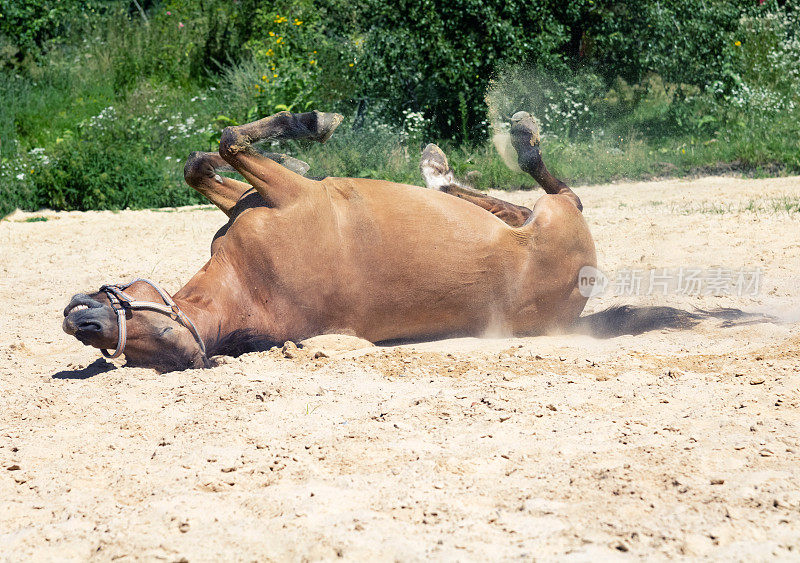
(120, 301)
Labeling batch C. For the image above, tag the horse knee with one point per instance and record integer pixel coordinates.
(553, 210)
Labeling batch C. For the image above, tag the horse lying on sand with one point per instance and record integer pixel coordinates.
(375, 259)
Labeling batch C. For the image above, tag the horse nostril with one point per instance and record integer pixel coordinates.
(89, 326)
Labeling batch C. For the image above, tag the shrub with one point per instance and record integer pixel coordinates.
(33, 25)
(116, 160)
(438, 57)
(89, 175)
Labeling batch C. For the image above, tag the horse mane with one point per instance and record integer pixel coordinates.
(234, 344)
(238, 342)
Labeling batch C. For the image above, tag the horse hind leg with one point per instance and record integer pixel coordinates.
(435, 169)
(278, 185)
(439, 176)
(525, 140)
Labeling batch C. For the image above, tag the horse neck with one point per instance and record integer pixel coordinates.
(212, 299)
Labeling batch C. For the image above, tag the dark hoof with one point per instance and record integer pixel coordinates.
(525, 139)
(233, 142)
(197, 168)
(326, 125)
(524, 130)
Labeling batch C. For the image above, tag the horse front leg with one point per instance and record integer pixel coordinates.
(201, 173)
(278, 185)
(202, 169)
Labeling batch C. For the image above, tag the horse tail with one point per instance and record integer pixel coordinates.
(628, 319)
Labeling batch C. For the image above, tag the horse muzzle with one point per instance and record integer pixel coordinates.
(88, 320)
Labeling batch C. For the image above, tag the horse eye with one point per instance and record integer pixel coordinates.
(165, 331)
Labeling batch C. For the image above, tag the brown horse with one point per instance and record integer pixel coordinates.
(384, 261)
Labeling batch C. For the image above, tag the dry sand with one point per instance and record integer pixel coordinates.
(659, 445)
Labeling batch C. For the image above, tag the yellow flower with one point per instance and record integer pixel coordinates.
(279, 40)
(272, 34)
(352, 64)
(297, 22)
(738, 43)
(683, 151)
(264, 77)
(274, 76)
(312, 61)
(270, 52)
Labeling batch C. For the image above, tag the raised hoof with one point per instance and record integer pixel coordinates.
(197, 168)
(435, 157)
(434, 167)
(326, 125)
(525, 139)
(294, 164)
(233, 142)
(524, 130)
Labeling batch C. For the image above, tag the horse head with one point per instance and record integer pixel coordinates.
(139, 320)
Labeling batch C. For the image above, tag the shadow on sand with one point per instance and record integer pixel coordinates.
(95, 368)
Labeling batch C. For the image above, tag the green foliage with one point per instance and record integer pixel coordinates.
(91, 176)
(100, 103)
(428, 56)
(31, 26)
(116, 161)
(681, 41)
(299, 66)
(768, 52)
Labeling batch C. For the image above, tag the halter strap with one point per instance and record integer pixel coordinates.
(120, 301)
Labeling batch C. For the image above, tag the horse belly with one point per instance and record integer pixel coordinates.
(383, 267)
(427, 266)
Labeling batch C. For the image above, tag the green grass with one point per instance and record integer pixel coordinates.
(777, 205)
(362, 154)
(62, 147)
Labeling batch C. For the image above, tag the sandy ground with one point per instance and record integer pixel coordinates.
(561, 447)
